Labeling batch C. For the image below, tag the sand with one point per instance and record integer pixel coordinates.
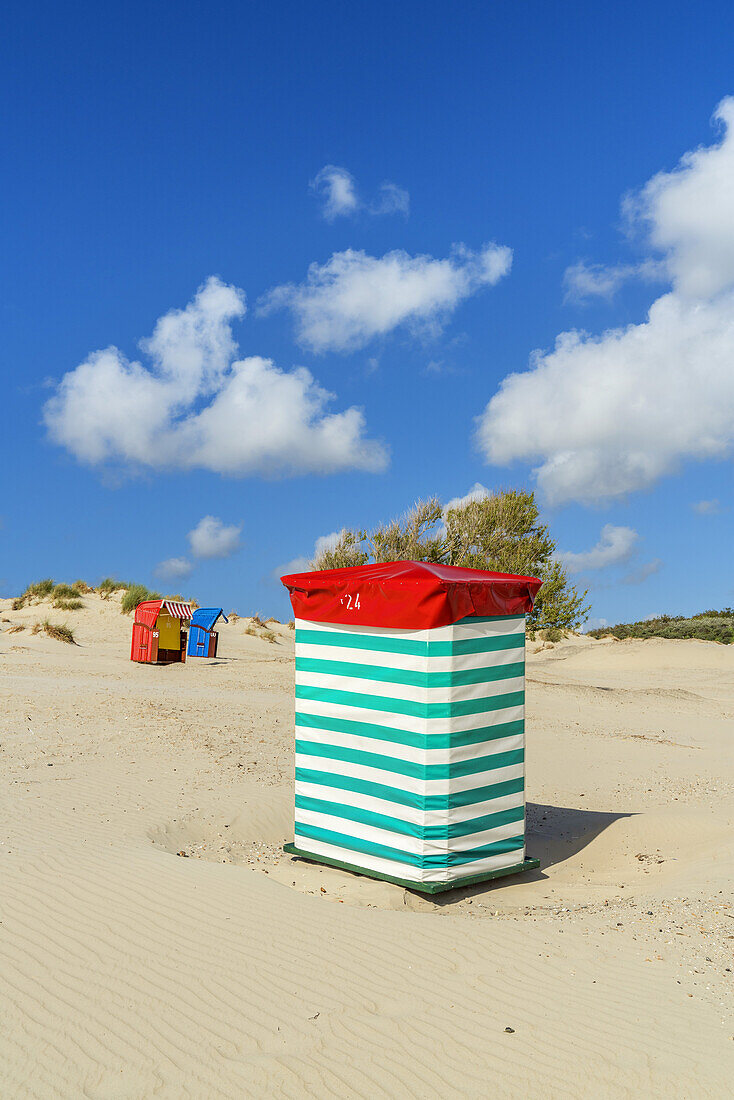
(156, 942)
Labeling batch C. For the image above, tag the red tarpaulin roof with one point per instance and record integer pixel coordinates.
(148, 611)
(412, 595)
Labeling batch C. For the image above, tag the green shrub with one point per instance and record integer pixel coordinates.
(135, 594)
(707, 626)
(82, 587)
(501, 532)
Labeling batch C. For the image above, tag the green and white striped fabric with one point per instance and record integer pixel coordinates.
(410, 747)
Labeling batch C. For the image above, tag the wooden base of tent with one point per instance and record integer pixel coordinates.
(421, 887)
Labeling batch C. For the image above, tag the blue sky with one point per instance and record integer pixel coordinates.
(151, 148)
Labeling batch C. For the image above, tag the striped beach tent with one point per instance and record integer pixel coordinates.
(410, 728)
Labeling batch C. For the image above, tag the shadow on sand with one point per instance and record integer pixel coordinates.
(554, 834)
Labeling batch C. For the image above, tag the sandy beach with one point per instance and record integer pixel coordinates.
(155, 941)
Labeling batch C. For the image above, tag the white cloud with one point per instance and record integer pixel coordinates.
(303, 564)
(593, 623)
(615, 545)
(326, 542)
(338, 189)
(689, 214)
(353, 297)
(199, 407)
(649, 569)
(173, 569)
(607, 415)
(582, 281)
(617, 412)
(477, 492)
(707, 507)
(392, 200)
(213, 539)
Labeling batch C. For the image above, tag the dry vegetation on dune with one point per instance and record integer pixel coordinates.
(54, 630)
(67, 597)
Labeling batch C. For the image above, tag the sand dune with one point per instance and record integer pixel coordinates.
(130, 970)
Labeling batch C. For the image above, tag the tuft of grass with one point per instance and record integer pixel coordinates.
(110, 585)
(268, 636)
(291, 624)
(54, 630)
(552, 634)
(256, 620)
(82, 588)
(233, 617)
(68, 605)
(64, 592)
(16, 629)
(251, 630)
(41, 588)
(37, 591)
(135, 594)
(272, 620)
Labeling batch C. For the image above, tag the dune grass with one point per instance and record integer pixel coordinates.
(38, 591)
(110, 585)
(54, 630)
(65, 592)
(135, 594)
(62, 604)
(260, 632)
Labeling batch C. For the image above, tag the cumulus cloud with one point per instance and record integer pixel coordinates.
(198, 406)
(353, 297)
(392, 200)
(303, 564)
(593, 623)
(688, 214)
(477, 492)
(707, 507)
(338, 190)
(615, 545)
(213, 539)
(642, 572)
(618, 411)
(582, 280)
(173, 569)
